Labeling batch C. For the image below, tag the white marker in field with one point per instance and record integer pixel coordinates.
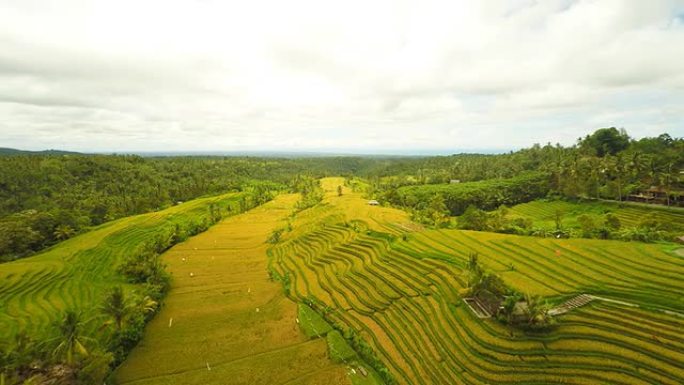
(208, 367)
(257, 310)
(170, 321)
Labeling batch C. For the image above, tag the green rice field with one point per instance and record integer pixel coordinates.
(78, 272)
(399, 286)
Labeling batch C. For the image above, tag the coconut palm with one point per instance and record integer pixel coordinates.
(147, 305)
(537, 311)
(71, 341)
(63, 232)
(117, 306)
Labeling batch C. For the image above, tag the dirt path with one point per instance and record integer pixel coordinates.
(224, 321)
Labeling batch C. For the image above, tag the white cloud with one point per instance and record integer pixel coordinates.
(316, 75)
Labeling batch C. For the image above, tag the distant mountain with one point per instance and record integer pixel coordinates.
(14, 151)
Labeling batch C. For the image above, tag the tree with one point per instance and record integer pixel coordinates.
(117, 307)
(558, 219)
(606, 141)
(587, 225)
(438, 211)
(71, 342)
(63, 232)
(537, 312)
(508, 306)
(474, 269)
(473, 219)
(612, 221)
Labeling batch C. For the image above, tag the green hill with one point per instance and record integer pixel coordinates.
(5, 151)
(78, 272)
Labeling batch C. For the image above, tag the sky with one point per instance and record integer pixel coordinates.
(345, 76)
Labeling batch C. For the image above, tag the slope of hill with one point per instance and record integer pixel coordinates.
(13, 151)
(224, 321)
(367, 269)
(78, 272)
(543, 213)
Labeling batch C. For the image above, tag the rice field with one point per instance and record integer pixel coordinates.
(78, 272)
(224, 321)
(394, 283)
(398, 286)
(543, 212)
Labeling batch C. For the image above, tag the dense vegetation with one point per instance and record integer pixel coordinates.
(72, 313)
(45, 199)
(607, 164)
(487, 195)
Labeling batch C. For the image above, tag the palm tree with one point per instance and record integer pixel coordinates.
(537, 311)
(117, 306)
(619, 173)
(474, 269)
(147, 305)
(508, 306)
(63, 232)
(71, 340)
(666, 177)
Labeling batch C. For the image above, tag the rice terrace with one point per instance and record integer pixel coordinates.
(201, 192)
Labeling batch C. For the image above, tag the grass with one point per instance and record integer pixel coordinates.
(78, 272)
(339, 348)
(398, 286)
(312, 324)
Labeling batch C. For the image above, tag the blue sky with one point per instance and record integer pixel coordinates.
(361, 77)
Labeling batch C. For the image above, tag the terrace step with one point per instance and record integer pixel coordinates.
(573, 303)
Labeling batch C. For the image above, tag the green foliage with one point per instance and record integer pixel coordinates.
(605, 141)
(473, 219)
(95, 368)
(80, 191)
(70, 343)
(311, 191)
(587, 225)
(115, 314)
(537, 313)
(368, 355)
(275, 236)
(591, 219)
(312, 324)
(485, 195)
(116, 306)
(339, 349)
(612, 221)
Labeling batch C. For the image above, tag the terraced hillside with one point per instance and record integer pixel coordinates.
(224, 321)
(543, 213)
(367, 268)
(78, 272)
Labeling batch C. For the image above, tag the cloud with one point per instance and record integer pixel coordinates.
(356, 76)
